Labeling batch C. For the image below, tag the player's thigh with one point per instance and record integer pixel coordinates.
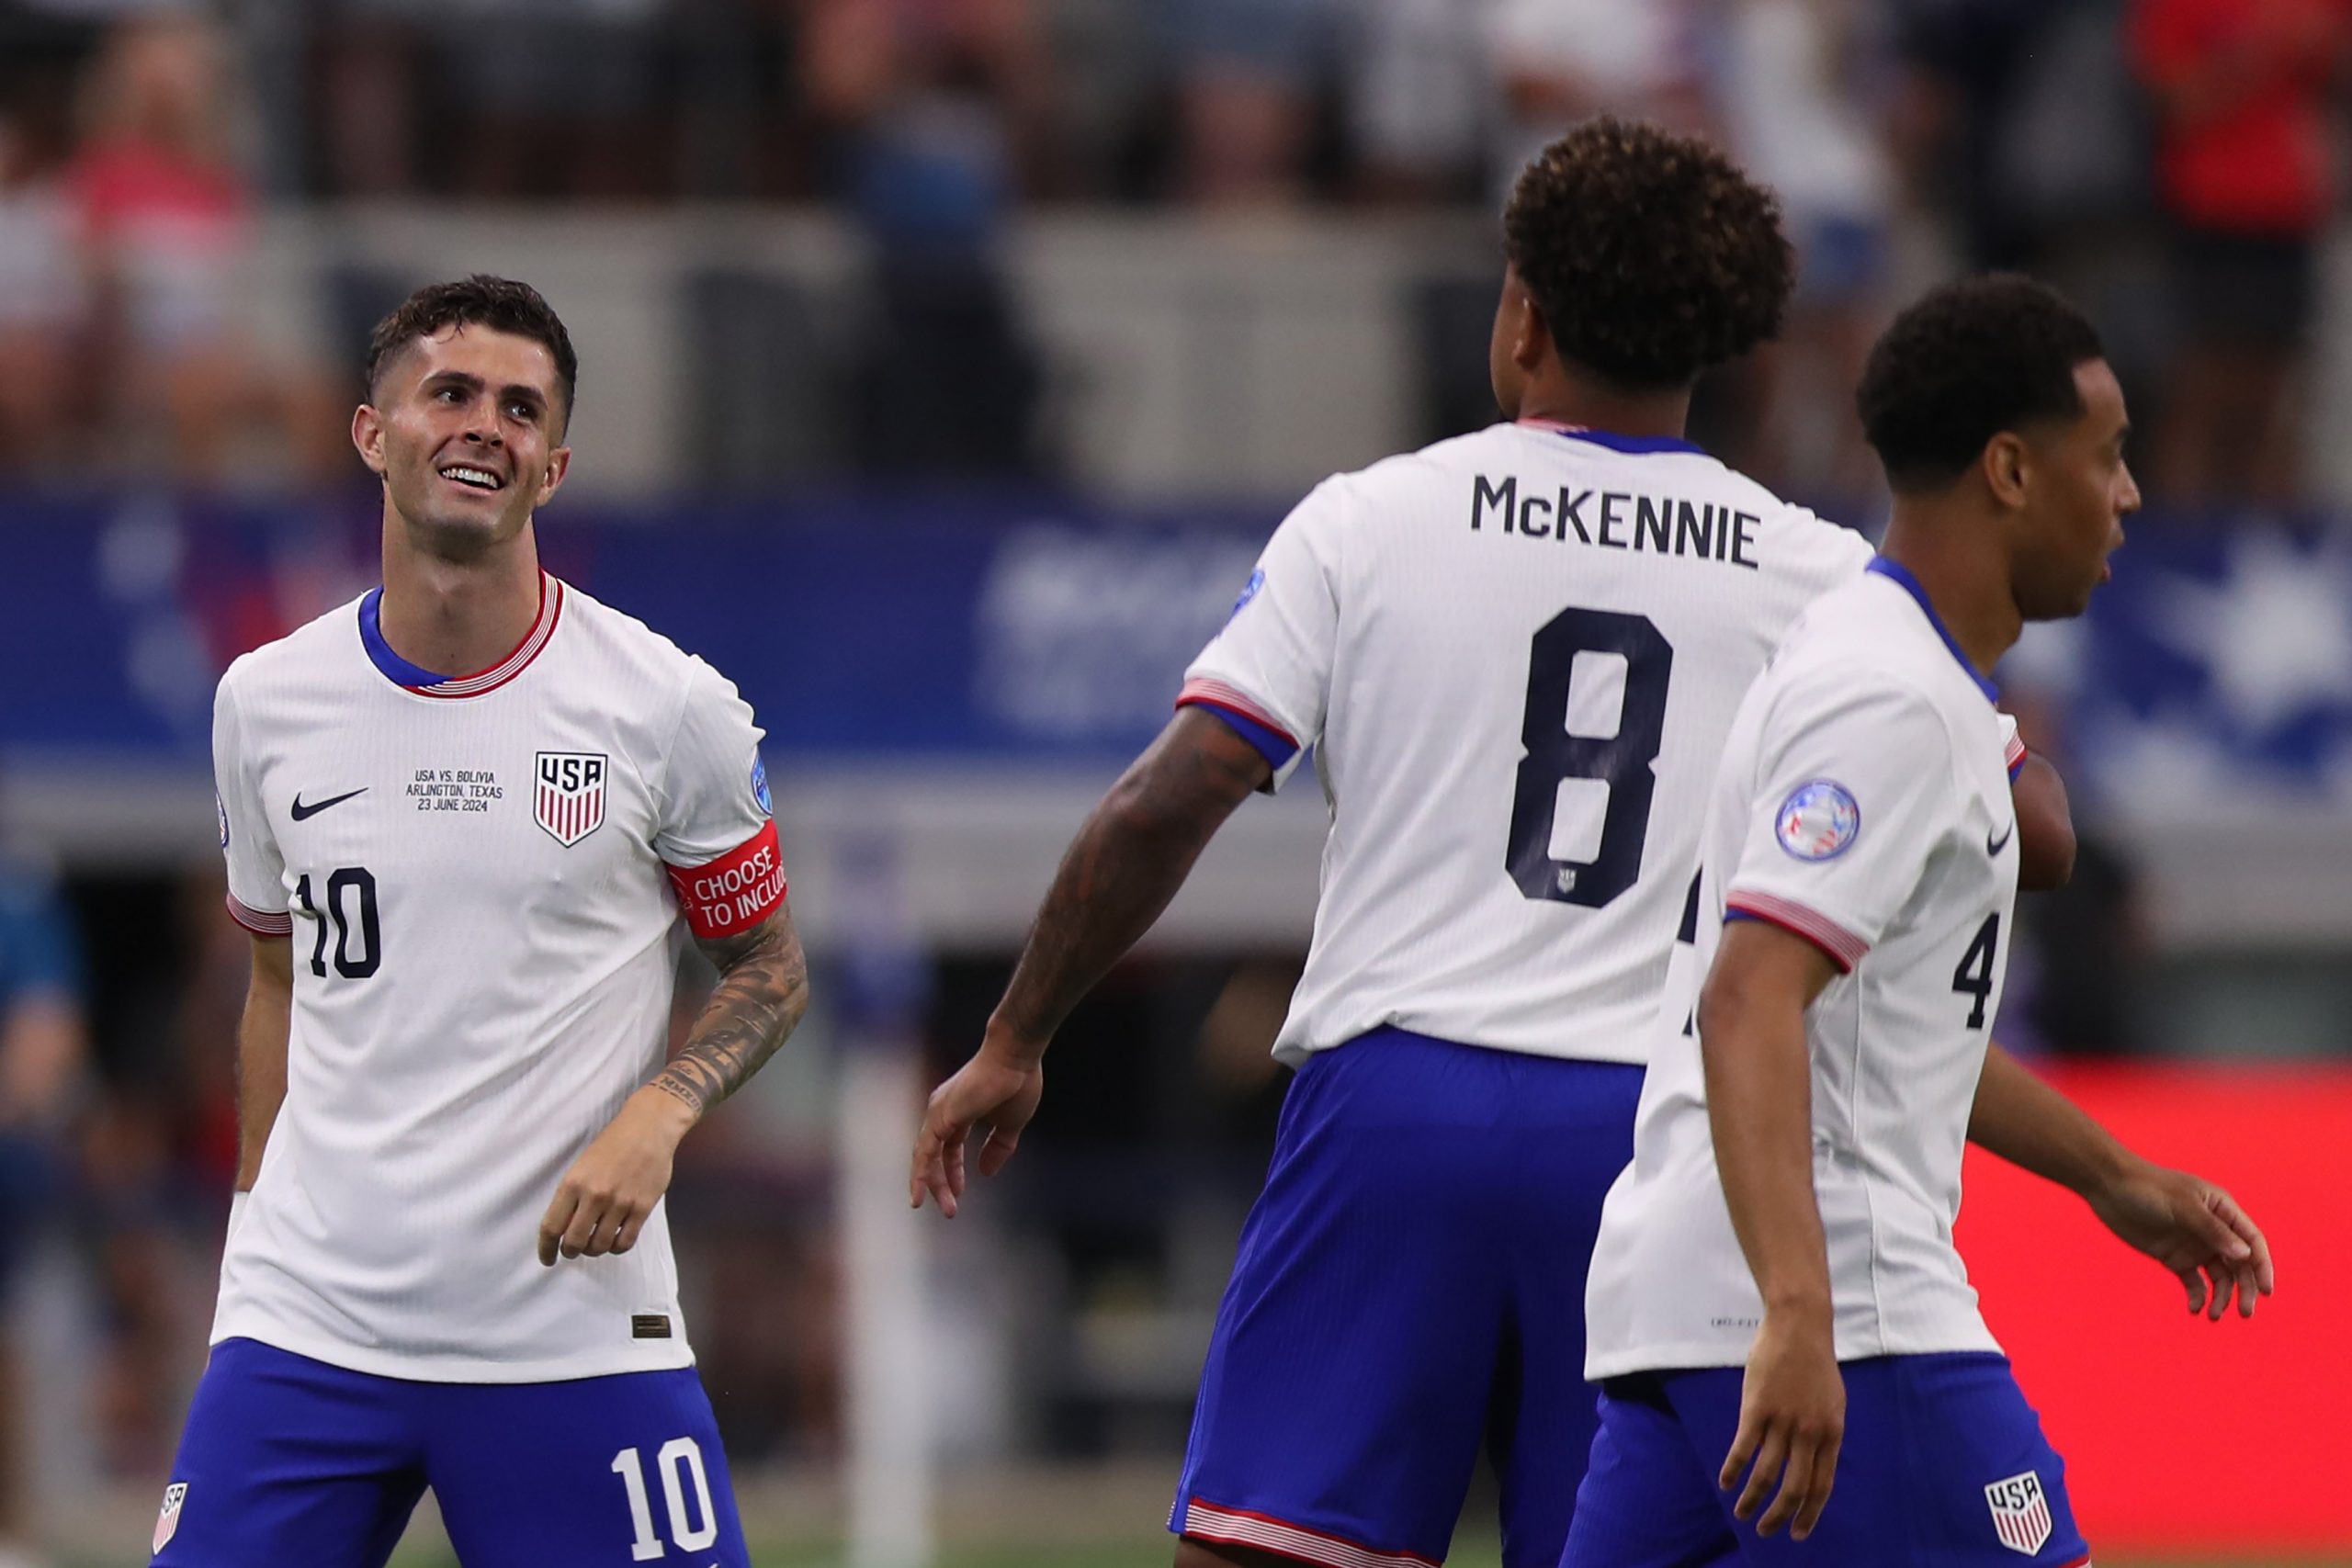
(587, 1472)
(1647, 1499)
(1576, 1137)
(287, 1460)
(1346, 1391)
(1943, 1465)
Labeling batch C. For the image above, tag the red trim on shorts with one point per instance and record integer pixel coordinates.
(1239, 1527)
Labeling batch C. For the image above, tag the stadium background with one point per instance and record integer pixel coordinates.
(944, 364)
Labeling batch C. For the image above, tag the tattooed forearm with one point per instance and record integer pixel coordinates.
(762, 991)
(1125, 865)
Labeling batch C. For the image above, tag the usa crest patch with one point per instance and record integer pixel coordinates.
(167, 1523)
(2020, 1512)
(568, 801)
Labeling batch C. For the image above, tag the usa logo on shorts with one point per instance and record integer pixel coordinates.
(569, 801)
(167, 1523)
(2020, 1512)
(1818, 820)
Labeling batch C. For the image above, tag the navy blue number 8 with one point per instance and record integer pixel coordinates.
(1621, 761)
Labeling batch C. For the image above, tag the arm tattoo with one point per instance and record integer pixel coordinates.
(762, 991)
(1126, 864)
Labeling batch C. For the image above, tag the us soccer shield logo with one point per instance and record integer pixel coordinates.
(167, 1523)
(2020, 1512)
(570, 799)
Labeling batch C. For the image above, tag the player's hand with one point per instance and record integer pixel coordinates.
(996, 1088)
(2193, 1228)
(605, 1198)
(1791, 1420)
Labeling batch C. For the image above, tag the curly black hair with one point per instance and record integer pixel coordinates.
(1965, 362)
(499, 303)
(1653, 256)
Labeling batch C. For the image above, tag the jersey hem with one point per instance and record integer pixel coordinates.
(445, 1370)
(1294, 1054)
(1686, 1356)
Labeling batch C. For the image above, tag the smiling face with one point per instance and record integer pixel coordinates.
(465, 428)
(2076, 491)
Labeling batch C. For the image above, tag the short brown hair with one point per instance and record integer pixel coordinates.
(499, 303)
(1653, 256)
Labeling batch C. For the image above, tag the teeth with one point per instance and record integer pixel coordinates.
(472, 477)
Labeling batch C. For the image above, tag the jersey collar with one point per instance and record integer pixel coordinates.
(1900, 576)
(1636, 445)
(425, 683)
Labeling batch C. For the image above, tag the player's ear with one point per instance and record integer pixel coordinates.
(1532, 335)
(2003, 463)
(559, 464)
(367, 435)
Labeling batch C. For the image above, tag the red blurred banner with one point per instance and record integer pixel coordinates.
(2182, 1435)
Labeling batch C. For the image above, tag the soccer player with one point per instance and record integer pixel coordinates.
(471, 820)
(1775, 1300)
(1517, 653)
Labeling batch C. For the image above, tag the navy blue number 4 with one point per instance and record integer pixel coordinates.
(1623, 760)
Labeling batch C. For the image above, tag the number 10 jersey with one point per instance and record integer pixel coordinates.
(1516, 655)
(483, 880)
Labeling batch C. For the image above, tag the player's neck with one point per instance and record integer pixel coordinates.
(1565, 397)
(1967, 584)
(454, 617)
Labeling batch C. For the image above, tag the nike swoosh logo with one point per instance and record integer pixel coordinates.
(1994, 846)
(304, 813)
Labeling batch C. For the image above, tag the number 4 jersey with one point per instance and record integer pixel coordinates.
(1516, 654)
(483, 880)
(1863, 805)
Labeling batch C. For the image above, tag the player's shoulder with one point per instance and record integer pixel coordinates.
(628, 655)
(324, 647)
(1854, 652)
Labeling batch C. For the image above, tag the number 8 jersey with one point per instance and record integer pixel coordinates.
(483, 880)
(1516, 655)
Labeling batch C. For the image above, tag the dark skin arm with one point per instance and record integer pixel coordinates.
(603, 1201)
(1127, 863)
(2045, 827)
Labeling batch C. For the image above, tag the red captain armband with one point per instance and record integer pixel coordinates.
(735, 892)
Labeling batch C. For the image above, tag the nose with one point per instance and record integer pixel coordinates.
(2129, 501)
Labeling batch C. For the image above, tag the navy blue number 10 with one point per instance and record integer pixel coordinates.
(1621, 761)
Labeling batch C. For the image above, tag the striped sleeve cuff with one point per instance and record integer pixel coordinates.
(2016, 757)
(1250, 720)
(261, 922)
(1841, 946)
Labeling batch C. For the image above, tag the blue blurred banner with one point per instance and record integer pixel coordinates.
(2218, 666)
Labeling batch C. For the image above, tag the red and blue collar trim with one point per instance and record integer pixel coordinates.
(1900, 575)
(425, 683)
(1636, 445)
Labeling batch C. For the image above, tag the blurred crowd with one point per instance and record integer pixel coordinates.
(2171, 161)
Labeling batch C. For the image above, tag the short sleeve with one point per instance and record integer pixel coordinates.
(256, 867)
(1853, 793)
(717, 834)
(2013, 752)
(1268, 673)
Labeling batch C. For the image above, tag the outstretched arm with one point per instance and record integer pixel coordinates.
(1127, 863)
(605, 1198)
(2190, 1225)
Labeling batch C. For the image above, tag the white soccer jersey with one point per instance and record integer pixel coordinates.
(1864, 803)
(1516, 654)
(483, 879)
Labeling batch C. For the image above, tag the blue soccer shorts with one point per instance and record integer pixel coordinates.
(1410, 1291)
(1943, 1465)
(290, 1460)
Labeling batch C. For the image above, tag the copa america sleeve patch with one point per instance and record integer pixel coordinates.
(1818, 821)
(735, 892)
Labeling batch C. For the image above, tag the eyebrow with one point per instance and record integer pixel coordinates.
(518, 390)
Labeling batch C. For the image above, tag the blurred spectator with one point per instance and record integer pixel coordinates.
(2243, 91)
(167, 225)
(1558, 62)
(1797, 105)
(41, 1051)
(1247, 71)
(42, 305)
(1419, 102)
(931, 106)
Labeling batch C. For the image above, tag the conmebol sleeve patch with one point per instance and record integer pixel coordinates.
(734, 892)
